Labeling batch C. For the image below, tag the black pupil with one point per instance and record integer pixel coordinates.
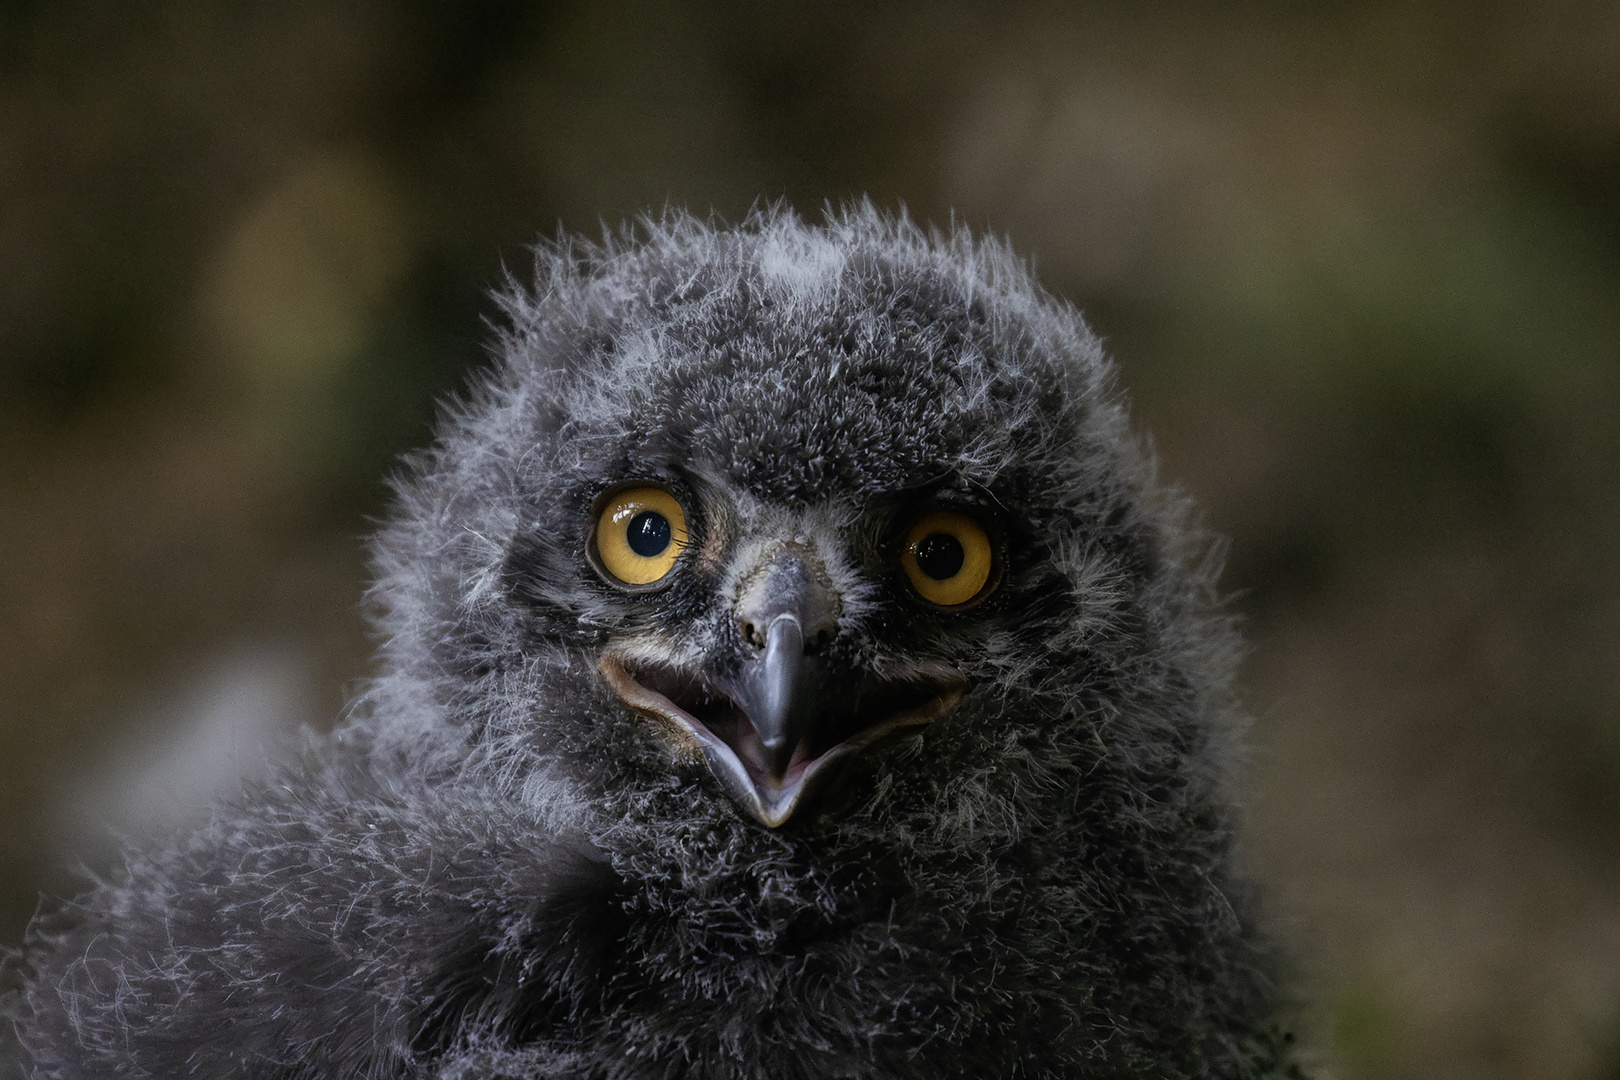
(940, 556)
(649, 533)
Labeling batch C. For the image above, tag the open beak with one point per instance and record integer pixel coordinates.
(771, 767)
(776, 725)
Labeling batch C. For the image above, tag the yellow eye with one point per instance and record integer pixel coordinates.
(948, 558)
(639, 534)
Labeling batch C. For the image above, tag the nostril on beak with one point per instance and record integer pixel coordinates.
(787, 586)
(815, 643)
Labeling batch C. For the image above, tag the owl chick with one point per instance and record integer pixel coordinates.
(790, 671)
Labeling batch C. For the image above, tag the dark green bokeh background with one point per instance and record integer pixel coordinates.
(1360, 264)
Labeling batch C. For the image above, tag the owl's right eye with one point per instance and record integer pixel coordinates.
(639, 534)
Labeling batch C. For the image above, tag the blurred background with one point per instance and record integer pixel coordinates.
(1360, 264)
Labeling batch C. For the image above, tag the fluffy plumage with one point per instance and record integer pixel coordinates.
(499, 869)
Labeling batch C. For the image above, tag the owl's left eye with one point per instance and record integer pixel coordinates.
(639, 534)
(948, 559)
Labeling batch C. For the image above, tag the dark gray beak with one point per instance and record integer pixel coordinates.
(780, 692)
(776, 716)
